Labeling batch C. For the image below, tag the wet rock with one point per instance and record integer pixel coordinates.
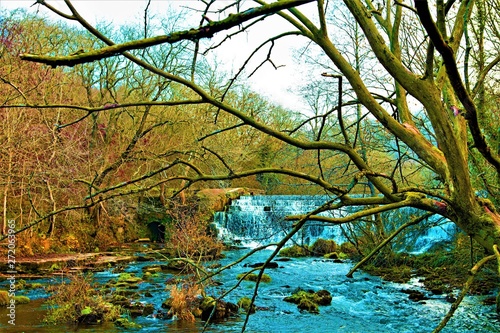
(245, 303)
(450, 298)
(254, 277)
(309, 300)
(127, 293)
(415, 295)
(125, 323)
(139, 309)
(91, 318)
(331, 255)
(260, 264)
(148, 309)
(323, 297)
(215, 310)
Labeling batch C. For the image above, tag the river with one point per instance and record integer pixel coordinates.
(362, 304)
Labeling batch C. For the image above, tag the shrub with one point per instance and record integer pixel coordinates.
(323, 246)
(184, 301)
(190, 236)
(78, 301)
(295, 251)
(4, 298)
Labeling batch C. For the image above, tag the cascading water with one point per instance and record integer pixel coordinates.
(260, 219)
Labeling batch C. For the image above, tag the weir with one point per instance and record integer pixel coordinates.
(260, 219)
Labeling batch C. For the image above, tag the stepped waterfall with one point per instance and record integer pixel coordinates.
(260, 219)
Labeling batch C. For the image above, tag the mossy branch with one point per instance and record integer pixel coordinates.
(464, 291)
(206, 31)
(448, 55)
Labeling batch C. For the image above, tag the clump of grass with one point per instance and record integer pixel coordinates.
(76, 300)
(4, 298)
(184, 301)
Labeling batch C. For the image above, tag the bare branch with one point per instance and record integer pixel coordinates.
(387, 240)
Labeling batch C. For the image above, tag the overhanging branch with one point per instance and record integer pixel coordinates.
(206, 31)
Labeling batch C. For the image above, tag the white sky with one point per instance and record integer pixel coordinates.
(276, 85)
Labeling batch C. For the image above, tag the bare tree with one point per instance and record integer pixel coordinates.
(421, 101)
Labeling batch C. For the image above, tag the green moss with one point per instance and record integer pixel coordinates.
(295, 251)
(22, 299)
(308, 305)
(254, 277)
(310, 301)
(34, 286)
(245, 303)
(125, 323)
(207, 303)
(125, 276)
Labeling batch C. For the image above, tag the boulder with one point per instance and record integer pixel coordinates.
(215, 310)
(260, 264)
(309, 300)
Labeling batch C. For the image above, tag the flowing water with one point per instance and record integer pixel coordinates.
(260, 219)
(362, 304)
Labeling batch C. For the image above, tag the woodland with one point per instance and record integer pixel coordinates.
(400, 110)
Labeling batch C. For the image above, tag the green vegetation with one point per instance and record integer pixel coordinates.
(78, 301)
(406, 116)
(441, 271)
(254, 277)
(323, 246)
(309, 300)
(326, 248)
(295, 251)
(245, 303)
(5, 299)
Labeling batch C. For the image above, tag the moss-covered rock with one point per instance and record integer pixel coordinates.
(125, 323)
(245, 303)
(295, 251)
(22, 299)
(215, 310)
(152, 269)
(254, 277)
(309, 300)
